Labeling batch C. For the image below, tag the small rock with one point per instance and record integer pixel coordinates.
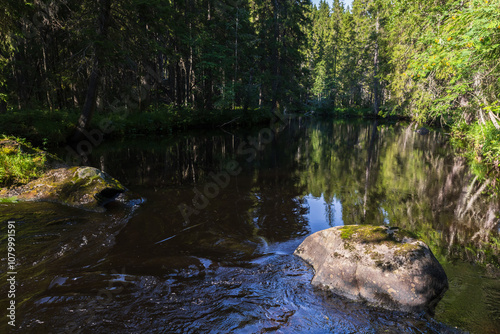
(384, 267)
(423, 131)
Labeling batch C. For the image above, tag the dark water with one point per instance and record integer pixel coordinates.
(223, 263)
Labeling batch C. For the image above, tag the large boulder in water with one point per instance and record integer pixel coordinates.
(382, 266)
(83, 187)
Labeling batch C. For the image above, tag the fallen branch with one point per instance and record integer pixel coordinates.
(231, 121)
(494, 119)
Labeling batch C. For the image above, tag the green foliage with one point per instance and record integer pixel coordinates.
(51, 128)
(165, 120)
(42, 127)
(215, 55)
(17, 167)
(12, 199)
(480, 143)
(435, 62)
(456, 68)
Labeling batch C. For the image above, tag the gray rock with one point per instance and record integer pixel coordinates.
(423, 131)
(384, 267)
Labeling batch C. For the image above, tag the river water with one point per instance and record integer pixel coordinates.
(204, 241)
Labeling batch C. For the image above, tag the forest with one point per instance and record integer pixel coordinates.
(163, 161)
(156, 66)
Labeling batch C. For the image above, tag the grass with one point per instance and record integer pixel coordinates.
(18, 167)
(167, 120)
(12, 199)
(41, 127)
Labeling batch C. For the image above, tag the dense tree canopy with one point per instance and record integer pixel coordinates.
(200, 53)
(433, 60)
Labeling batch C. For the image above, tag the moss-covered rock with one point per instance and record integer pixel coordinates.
(82, 187)
(385, 267)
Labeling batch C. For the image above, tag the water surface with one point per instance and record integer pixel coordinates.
(224, 262)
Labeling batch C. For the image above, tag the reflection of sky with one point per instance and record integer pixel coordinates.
(386, 216)
(318, 216)
(319, 220)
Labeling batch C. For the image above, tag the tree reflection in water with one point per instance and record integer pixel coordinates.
(380, 173)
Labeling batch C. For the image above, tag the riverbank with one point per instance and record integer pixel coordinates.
(50, 128)
(20, 162)
(480, 144)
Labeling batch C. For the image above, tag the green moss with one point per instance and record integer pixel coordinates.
(401, 234)
(379, 235)
(347, 231)
(364, 233)
(12, 199)
(405, 248)
(376, 256)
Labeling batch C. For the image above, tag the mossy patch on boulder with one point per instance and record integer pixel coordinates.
(382, 266)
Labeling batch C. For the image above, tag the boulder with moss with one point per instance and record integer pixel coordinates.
(381, 266)
(83, 187)
(31, 174)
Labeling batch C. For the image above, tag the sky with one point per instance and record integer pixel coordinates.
(346, 2)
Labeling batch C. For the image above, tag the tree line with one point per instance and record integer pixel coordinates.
(134, 54)
(432, 60)
(435, 61)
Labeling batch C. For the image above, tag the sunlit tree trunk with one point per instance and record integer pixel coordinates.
(376, 82)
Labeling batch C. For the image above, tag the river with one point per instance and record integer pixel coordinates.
(204, 241)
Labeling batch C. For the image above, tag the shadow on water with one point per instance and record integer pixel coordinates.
(224, 262)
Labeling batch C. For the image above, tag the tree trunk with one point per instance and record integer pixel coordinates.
(334, 77)
(376, 83)
(3, 107)
(369, 164)
(275, 59)
(91, 96)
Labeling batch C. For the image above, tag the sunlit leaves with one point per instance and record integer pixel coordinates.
(459, 53)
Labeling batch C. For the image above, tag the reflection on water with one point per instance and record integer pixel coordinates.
(228, 267)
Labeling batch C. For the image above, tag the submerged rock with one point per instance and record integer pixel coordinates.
(82, 187)
(381, 266)
(423, 131)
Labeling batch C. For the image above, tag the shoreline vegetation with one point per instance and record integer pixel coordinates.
(47, 130)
